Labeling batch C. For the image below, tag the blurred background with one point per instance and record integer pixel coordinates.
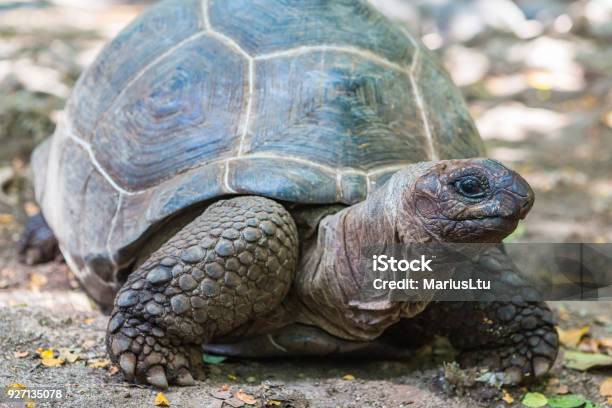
(537, 76)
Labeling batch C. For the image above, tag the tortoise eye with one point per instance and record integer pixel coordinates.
(470, 187)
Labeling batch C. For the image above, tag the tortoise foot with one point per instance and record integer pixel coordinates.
(518, 339)
(147, 354)
(37, 243)
(515, 338)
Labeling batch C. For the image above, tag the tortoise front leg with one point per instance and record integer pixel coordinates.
(516, 338)
(232, 264)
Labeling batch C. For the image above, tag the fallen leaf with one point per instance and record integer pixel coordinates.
(45, 353)
(17, 386)
(225, 387)
(113, 370)
(161, 400)
(348, 377)
(36, 282)
(99, 363)
(234, 402)
(534, 400)
(212, 359)
(68, 355)
(246, 398)
(605, 342)
(589, 345)
(273, 403)
(232, 377)
(6, 219)
(583, 361)
(566, 401)
(571, 337)
(605, 389)
(52, 362)
(507, 397)
(21, 354)
(89, 320)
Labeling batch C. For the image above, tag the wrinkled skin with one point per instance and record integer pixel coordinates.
(232, 281)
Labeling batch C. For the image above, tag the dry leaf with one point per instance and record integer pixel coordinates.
(348, 377)
(225, 387)
(605, 390)
(21, 354)
(589, 345)
(232, 377)
(571, 337)
(6, 219)
(45, 353)
(161, 400)
(68, 355)
(36, 282)
(52, 362)
(273, 403)
(113, 370)
(507, 397)
(89, 320)
(246, 398)
(99, 363)
(605, 342)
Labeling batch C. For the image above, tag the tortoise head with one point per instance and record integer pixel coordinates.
(472, 200)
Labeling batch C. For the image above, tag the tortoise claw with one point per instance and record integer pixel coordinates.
(157, 377)
(184, 378)
(127, 362)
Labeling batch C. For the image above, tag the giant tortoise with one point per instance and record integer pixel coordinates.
(222, 163)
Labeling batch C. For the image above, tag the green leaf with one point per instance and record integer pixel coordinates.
(212, 359)
(566, 401)
(534, 400)
(578, 360)
(590, 404)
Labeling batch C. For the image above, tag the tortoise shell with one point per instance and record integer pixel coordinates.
(312, 102)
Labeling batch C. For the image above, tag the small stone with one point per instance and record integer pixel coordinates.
(268, 227)
(159, 275)
(127, 299)
(251, 234)
(180, 304)
(214, 270)
(193, 254)
(209, 288)
(224, 247)
(154, 309)
(187, 283)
